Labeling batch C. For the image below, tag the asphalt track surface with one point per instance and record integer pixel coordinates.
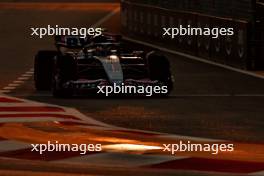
(207, 101)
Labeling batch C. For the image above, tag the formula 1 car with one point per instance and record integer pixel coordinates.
(81, 65)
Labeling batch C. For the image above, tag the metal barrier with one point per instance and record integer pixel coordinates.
(146, 22)
(240, 43)
(203, 42)
(190, 41)
(218, 50)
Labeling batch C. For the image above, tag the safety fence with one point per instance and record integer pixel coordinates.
(146, 22)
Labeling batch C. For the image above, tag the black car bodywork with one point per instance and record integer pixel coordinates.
(81, 65)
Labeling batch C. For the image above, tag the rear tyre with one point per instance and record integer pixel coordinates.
(63, 73)
(159, 69)
(43, 67)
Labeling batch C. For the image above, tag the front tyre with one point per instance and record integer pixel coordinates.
(43, 66)
(159, 69)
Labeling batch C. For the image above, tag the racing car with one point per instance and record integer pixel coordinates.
(81, 65)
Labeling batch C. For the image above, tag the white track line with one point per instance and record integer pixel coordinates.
(26, 75)
(32, 119)
(47, 94)
(13, 85)
(196, 58)
(261, 173)
(23, 78)
(9, 88)
(20, 80)
(4, 91)
(217, 95)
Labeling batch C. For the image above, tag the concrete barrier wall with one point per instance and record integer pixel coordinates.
(145, 22)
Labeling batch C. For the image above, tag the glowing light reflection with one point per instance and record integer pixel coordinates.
(131, 147)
